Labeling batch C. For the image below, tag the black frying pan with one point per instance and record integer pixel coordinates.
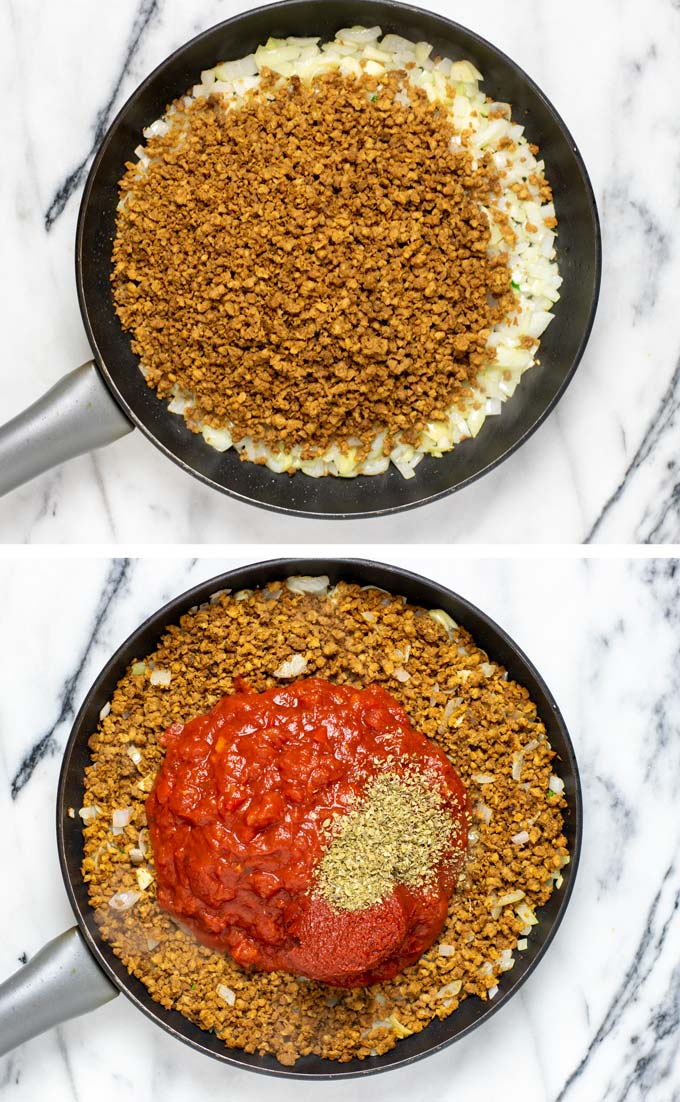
(80, 413)
(63, 980)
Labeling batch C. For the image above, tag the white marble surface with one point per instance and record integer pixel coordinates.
(599, 1020)
(603, 466)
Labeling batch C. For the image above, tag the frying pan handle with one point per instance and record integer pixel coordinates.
(60, 982)
(75, 416)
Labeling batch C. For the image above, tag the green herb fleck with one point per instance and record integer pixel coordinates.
(515, 285)
(551, 793)
(374, 98)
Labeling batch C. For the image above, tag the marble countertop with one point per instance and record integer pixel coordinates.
(597, 1020)
(604, 465)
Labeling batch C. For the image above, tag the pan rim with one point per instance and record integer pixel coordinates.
(281, 567)
(426, 498)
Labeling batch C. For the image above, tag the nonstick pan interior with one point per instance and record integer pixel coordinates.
(417, 590)
(561, 346)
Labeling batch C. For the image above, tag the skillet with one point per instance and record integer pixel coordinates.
(105, 398)
(78, 971)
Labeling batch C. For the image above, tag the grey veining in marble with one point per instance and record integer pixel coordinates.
(599, 1021)
(604, 465)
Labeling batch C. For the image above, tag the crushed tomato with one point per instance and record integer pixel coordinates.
(236, 822)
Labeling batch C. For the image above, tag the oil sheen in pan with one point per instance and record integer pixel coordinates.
(101, 401)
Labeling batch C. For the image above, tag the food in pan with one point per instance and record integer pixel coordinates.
(456, 696)
(308, 829)
(337, 256)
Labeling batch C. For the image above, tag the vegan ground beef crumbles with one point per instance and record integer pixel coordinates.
(452, 692)
(333, 257)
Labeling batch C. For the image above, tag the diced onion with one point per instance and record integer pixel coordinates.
(89, 814)
(138, 852)
(511, 897)
(483, 778)
(105, 710)
(292, 667)
(450, 990)
(484, 813)
(179, 403)
(231, 70)
(399, 1028)
(522, 944)
(134, 753)
(464, 71)
(219, 439)
(556, 785)
(443, 618)
(122, 901)
(447, 950)
(405, 468)
(520, 839)
(402, 675)
(449, 709)
(359, 36)
(144, 878)
(121, 819)
(160, 677)
(303, 584)
(227, 994)
(526, 915)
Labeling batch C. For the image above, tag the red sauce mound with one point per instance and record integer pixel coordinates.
(236, 821)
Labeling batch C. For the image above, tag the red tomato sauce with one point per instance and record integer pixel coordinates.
(235, 819)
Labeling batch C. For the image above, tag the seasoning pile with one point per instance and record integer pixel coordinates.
(333, 257)
(397, 836)
(452, 693)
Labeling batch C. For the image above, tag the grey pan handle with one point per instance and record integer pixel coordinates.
(60, 982)
(77, 415)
